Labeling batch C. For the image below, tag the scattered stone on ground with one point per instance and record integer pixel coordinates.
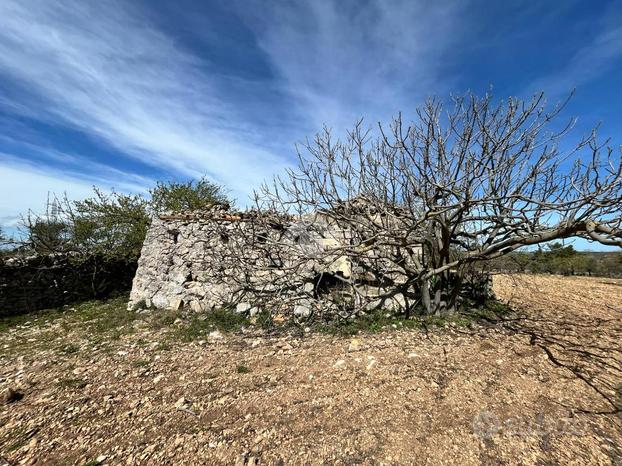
(540, 389)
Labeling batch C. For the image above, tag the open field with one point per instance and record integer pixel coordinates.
(541, 387)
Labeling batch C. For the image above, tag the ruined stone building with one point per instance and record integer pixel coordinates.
(217, 258)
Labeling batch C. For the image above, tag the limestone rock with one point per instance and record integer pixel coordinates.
(242, 308)
(302, 311)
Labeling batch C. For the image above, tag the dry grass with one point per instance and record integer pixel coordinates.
(540, 388)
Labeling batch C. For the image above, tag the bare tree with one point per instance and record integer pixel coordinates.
(6, 242)
(414, 207)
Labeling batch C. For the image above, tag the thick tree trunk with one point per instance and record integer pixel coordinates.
(441, 295)
(425, 297)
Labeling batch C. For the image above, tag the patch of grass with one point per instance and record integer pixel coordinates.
(72, 383)
(368, 323)
(98, 316)
(142, 304)
(241, 369)
(264, 319)
(192, 329)
(196, 326)
(35, 319)
(109, 317)
(163, 318)
(140, 363)
(18, 443)
(383, 320)
(456, 320)
(492, 309)
(18, 437)
(225, 320)
(163, 346)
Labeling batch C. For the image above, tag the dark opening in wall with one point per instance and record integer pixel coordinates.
(326, 282)
(174, 235)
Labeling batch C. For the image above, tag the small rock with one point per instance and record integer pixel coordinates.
(339, 364)
(243, 307)
(11, 395)
(182, 403)
(285, 346)
(215, 335)
(355, 345)
(177, 304)
(302, 311)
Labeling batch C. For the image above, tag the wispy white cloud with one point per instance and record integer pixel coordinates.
(589, 62)
(26, 186)
(78, 168)
(105, 69)
(102, 68)
(342, 60)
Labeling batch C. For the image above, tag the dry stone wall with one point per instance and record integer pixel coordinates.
(37, 282)
(217, 258)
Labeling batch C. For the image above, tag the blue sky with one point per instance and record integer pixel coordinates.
(122, 93)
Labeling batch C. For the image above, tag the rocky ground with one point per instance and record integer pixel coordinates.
(99, 385)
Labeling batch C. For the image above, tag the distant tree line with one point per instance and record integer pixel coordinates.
(555, 258)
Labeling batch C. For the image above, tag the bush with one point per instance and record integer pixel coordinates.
(114, 224)
(189, 195)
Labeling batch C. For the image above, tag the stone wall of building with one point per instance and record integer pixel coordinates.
(209, 259)
(218, 258)
(39, 282)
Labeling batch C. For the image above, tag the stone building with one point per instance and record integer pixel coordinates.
(218, 258)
